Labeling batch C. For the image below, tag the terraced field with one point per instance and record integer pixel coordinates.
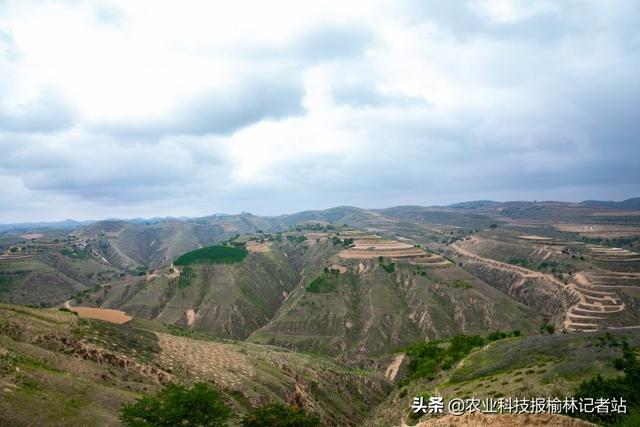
(604, 253)
(372, 246)
(538, 365)
(542, 291)
(588, 300)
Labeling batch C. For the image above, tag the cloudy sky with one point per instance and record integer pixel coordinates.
(148, 108)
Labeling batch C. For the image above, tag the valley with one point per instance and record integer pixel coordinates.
(315, 308)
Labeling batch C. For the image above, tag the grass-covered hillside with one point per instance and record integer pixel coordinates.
(368, 310)
(58, 369)
(511, 366)
(229, 300)
(45, 270)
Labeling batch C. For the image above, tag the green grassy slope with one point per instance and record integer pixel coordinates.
(57, 369)
(533, 366)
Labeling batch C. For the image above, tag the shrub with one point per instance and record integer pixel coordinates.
(625, 387)
(176, 405)
(497, 335)
(457, 283)
(324, 283)
(548, 328)
(185, 277)
(278, 415)
(389, 268)
(427, 358)
(522, 262)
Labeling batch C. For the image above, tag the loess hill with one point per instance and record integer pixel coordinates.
(295, 307)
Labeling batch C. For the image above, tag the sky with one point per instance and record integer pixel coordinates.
(189, 108)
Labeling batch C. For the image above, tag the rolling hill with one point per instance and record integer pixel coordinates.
(293, 307)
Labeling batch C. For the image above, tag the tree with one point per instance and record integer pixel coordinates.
(279, 415)
(176, 405)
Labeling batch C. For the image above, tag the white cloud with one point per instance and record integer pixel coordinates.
(118, 108)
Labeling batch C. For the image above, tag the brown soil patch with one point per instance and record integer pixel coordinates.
(31, 236)
(12, 257)
(313, 236)
(191, 316)
(366, 254)
(253, 246)
(598, 230)
(534, 237)
(106, 314)
(394, 367)
(382, 245)
(371, 246)
(174, 275)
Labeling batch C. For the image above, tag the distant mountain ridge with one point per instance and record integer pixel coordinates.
(629, 204)
(24, 226)
(329, 214)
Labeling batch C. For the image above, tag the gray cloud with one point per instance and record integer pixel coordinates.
(329, 42)
(362, 94)
(463, 20)
(218, 112)
(112, 172)
(541, 107)
(46, 113)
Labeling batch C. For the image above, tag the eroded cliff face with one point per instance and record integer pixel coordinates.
(228, 301)
(372, 311)
(542, 292)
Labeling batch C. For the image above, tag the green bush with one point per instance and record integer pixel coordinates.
(176, 405)
(213, 255)
(457, 283)
(389, 268)
(498, 335)
(296, 239)
(522, 262)
(324, 283)
(278, 415)
(626, 387)
(547, 328)
(428, 358)
(185, 277)
(75, 253)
